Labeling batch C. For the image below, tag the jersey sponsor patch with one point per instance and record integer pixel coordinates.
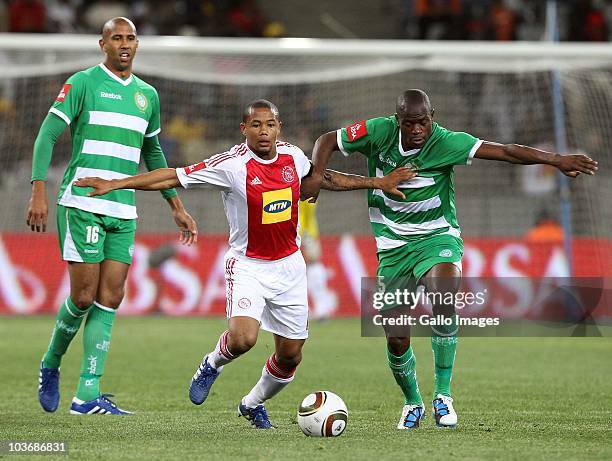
(356, 130)
(195, 167)
(63, 92)
(276, 206)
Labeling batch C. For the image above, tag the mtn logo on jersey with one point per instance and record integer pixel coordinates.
(356, 130)
(276, 206)
(63, 92)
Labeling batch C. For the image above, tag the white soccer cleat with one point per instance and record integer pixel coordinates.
(443, 411)
(411, 416)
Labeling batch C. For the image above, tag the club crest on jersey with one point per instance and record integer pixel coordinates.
(276, 206)
(288, 174)
(196, 167)
(356, 130)
(141, 101)
(63, 92)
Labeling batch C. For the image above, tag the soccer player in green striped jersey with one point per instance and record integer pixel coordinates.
(114, 120)
(419, 237)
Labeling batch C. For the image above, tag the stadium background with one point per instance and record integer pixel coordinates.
(202, 92)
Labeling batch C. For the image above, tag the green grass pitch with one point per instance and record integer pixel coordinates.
(517, 398)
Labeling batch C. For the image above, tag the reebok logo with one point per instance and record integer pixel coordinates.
(356, 130)
(104, 94)
(256, 181)
(93, 363)
(61, 325)
(103, 346)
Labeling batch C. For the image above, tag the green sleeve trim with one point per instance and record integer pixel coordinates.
(51, 129)
(154, 159)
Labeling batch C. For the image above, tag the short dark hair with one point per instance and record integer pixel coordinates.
(411, 98)
(259, 104)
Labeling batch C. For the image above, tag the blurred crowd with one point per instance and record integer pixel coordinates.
(581, 20)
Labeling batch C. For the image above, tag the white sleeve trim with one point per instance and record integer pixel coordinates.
(60, 114)
(339, 142)
(182, 177)
(150, 135)
(473, 152)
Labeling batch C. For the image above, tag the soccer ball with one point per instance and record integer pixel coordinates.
(322, 414)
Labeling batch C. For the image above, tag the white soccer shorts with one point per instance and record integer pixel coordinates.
(272, 292)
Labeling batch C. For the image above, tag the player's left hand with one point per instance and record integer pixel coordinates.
(574, 164)
(187, 225)
(389, 182)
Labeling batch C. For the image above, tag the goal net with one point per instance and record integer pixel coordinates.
(497, 92)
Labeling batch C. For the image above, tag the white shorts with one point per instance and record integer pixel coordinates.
(272, 292)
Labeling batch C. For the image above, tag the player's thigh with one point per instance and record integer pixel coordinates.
(84, 278)
(244, 291)
(113, 275)
(435, 250)
(119, 241)
(81, 235)
(286, 312)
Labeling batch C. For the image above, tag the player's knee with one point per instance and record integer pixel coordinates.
(82, 300)
(398, 346)
(240, 343)
(289, 360)
(111, 298)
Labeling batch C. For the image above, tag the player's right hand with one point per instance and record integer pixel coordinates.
(390, 181)
(37, 212)
(100, 186)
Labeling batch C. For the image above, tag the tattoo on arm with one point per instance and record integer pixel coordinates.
(336, 181)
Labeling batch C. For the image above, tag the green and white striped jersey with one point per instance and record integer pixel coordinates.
(109, 119)
(429, 207)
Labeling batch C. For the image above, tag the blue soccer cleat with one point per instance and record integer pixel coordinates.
(48, 388)
(202, 381)
(100, 406)
(258, 416)
(443, 411)
(411, 416)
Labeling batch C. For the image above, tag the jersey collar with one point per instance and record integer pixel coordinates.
(257, 158)
(125, 82)
(405, 153)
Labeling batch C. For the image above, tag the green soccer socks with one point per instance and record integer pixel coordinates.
(96, 343)
(444, 348)
(404, 372)
(67, 323)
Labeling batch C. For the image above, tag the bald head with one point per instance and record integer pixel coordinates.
(411, 103)
(109, 26)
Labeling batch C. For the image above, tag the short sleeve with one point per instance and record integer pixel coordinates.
(69, 101)
(218, 175)
(359, 137)
(154, 126)
(302, 163)
(457, 148)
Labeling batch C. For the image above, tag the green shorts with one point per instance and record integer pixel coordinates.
(91, 238)
(414, 259)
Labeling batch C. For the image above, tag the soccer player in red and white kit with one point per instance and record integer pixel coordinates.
(265, 272)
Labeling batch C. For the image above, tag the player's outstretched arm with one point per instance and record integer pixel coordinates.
(337, 181)
(570, 165)
(162, 178)
(324, 147)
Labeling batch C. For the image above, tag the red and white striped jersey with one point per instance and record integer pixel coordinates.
(260, 197)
